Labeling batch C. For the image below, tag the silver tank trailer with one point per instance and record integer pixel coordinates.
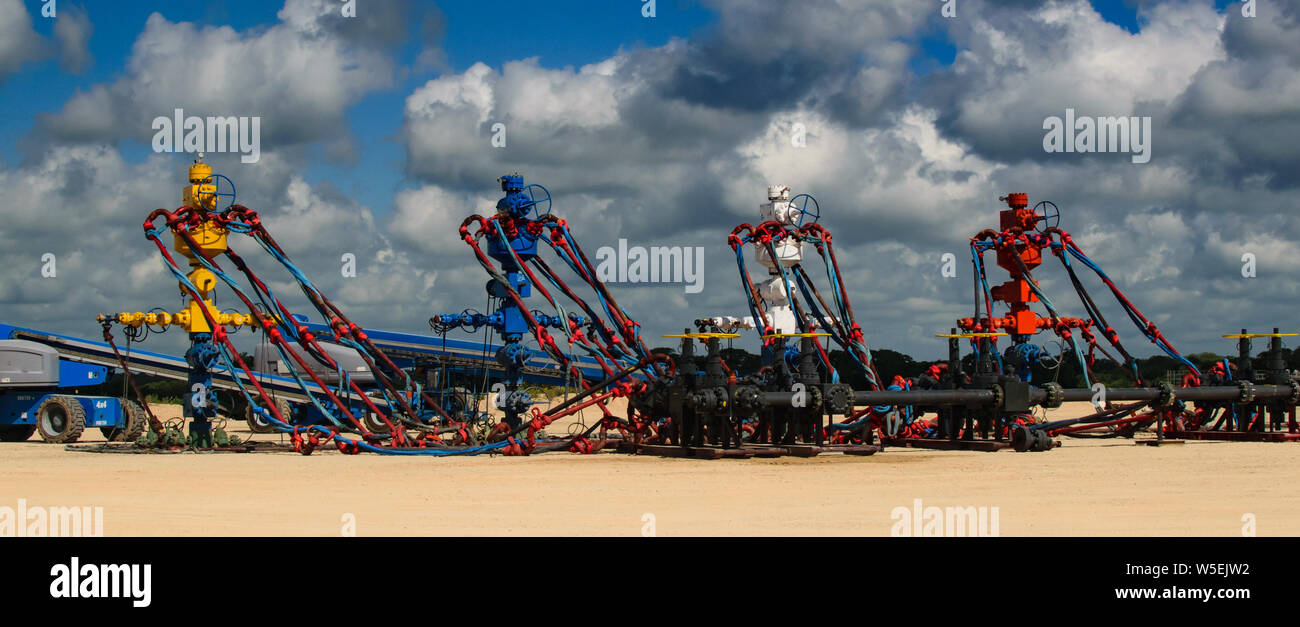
(267, 360)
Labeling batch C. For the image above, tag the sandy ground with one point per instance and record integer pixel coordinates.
(1087, 487)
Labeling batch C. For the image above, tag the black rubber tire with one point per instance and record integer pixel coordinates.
(61, 419)
(136, 420)
(372, 422)
(462, 400)
(257, 424)
(16, 433)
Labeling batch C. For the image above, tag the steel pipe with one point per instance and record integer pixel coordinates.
(971, 396)
(863, 398)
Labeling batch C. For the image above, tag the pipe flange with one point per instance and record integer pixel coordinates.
(1246, 392)
(1294, 398)
(839, 399)
(747, 400)
(706, 401)
(998, 395)
(694, 399)
(815, 398)
(720, 400)
(1167, 395)
(1055, 395)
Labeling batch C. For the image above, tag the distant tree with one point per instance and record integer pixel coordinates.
(741, 362)
(1204, 360)
(1062, 368)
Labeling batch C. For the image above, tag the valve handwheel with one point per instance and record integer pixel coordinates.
(215, 180)
(539, 202)
(807, 206)
(467, 315)
(1049, 216)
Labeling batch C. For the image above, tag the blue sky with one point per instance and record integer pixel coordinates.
(584, 31)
